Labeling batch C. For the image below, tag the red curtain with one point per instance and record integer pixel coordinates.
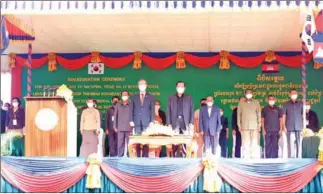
(35, 63)
(293, 61)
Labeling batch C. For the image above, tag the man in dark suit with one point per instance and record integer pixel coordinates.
(236, 133)
(3, 118)
(210, 126)
(142, 113)
(312, 121)
(110, 129)
(180, 113)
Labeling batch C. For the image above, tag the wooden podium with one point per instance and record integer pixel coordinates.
(51, 127)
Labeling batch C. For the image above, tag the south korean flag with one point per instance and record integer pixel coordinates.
(96, 68)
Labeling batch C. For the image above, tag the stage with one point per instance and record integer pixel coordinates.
(160, 175)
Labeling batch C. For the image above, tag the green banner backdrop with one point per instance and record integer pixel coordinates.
(226, 86)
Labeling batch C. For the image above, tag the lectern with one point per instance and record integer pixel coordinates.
(51, 127)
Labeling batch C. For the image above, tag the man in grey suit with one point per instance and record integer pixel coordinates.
(142, 113)
(210, 126)
(293, 124)
(180, 113)
(121, 123)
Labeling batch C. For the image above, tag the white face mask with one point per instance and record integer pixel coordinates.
(308, 107)
(293, 97)
(271, 102)
(209, 103)
(180, 90)
(15, 104)
(125, 98)
(90, 105)
(157, 107)
(248, 96)
(5, 108)
(142, 88)
(221, 113)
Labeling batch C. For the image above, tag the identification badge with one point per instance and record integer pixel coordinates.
(307, 122)
(14, 122)
(112, 118)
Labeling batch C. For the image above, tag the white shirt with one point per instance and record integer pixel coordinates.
(209, 109)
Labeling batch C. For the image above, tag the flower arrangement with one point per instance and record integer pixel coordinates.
(65, 92)
(159, 130)
(307, 132)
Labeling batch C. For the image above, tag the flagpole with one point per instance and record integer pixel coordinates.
(304, 82)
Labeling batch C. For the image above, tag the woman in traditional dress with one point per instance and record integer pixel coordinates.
(15, 128)
(90, 128)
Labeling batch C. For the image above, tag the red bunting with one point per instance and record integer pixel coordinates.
(35, 63)
(116, 63)
(172, 183)
(202, 62)
(293, 61)
(247, 183)
(247, 62)
(47, 183)
(73, 64)
(158, 63)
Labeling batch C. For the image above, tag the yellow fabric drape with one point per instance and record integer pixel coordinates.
(137, 60)
(318, 65)
(93, 172)
(210, 176)
(270, 56)
(224, 61)
(180, 61)
(12, 60)
(320, 156)
(95, 57)
(52, 62)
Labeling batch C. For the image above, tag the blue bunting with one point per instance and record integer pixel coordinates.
(268, 167)
(43, 165)
(151, 167)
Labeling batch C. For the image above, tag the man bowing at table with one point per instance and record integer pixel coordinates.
(180, 113)
(210, 126)
(142, 113)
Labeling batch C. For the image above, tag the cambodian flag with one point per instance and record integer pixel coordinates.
(318, 39)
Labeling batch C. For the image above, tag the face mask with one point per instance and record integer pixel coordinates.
(203, 104)
(308, 107)
(180, 90)
(90, 105)
(142, 88)
(157, 107)
(271, 102)
(15, 104)
(209, 103)
(125, 98)
(114, 102)
(293, 97)
(248, 96)
(221, 113)
(5, 108)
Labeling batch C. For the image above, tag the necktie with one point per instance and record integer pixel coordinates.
(142, 98)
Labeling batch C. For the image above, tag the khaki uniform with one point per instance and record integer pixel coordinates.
(249, 121)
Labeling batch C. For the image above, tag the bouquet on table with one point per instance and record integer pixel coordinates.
(159, 130)
(65, 92)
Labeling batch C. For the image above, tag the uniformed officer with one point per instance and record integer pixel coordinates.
(271, 127)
